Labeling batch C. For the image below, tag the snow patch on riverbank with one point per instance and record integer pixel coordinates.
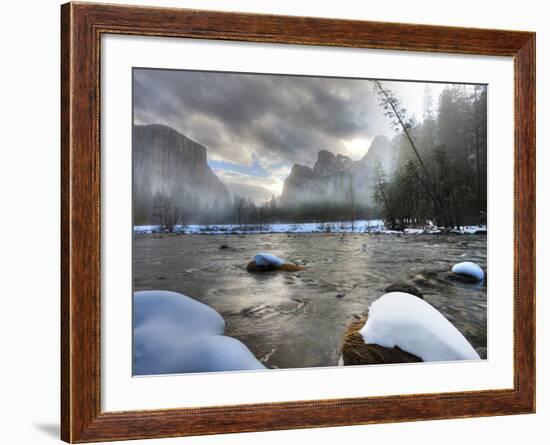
(313, 227)
(361, 226)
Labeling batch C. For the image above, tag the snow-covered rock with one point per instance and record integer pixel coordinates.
(267, 262)
(174, 334)
(415, 326)
(470, 269)
(268, 259)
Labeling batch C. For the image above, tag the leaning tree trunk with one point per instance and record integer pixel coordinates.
(429, 184)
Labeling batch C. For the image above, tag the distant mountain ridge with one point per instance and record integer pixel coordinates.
(168, 163)
(333, 175)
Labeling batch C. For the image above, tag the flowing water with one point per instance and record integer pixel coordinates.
(294, 320)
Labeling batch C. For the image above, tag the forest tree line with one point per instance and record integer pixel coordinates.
(440, 173)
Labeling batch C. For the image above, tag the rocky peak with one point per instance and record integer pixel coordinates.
(301, 171)
(329, 163)
(328, 180)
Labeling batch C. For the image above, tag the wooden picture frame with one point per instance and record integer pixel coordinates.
(82, 25)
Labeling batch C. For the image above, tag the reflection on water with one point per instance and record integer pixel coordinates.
(293, 320)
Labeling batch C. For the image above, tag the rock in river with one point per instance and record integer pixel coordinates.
(401, 328)
(265, 262)
(421, 280)
(467, 272)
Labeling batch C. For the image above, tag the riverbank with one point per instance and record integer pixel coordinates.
(375, 226)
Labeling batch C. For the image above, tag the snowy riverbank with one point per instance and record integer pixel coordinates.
(361, 226)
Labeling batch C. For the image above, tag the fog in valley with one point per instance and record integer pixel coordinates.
(248, 149)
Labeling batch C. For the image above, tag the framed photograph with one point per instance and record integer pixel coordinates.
(274, 222)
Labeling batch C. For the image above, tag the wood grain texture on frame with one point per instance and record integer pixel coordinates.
(82, 25)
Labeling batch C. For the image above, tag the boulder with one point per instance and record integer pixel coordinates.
(415, 326)
(470, 271)
(268, 259)
(285, 267)
(267, 262)
(461, 278)
(401, 328)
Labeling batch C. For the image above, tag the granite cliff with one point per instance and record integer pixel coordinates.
(168, 163)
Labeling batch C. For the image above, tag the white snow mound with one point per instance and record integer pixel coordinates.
(470, 269)
(267, 259)
(173, 334)
(415, 326)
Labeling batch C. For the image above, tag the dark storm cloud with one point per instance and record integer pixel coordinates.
(280, 118)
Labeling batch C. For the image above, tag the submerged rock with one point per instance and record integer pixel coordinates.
(403, 286)
(468, 272)
(421, 280)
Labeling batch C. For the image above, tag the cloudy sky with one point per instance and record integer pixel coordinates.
(255, 126)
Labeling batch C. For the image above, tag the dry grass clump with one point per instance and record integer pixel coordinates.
(286, 267)
(355, 352)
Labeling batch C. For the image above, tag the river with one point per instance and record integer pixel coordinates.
(295, 320)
